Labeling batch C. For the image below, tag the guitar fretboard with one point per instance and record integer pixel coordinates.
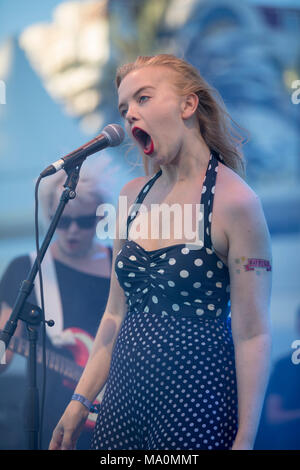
(54, 361)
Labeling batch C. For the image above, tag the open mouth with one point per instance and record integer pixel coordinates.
(143, 139)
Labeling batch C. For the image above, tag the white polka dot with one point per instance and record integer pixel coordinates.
(183, 292)
(171, 283)
(184, 273)
(209, 251)
(131, 275)
(172, 261)
(198, 262)
(219, 311)
(209, 274)
(211, 307)
(199, 311)
(218, 284)
(120, 264)
(132, 258)
(220, 264)
(213, 189)
(146, 189)
(203, 189)
(175, 307)
(185, 251)
(196, 285)
(127, 284)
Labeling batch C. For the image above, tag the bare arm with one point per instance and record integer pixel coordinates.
(249, 262)
(97, 367)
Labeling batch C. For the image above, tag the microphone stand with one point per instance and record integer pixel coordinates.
(33, 315)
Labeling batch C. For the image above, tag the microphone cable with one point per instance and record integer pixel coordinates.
(44, 369)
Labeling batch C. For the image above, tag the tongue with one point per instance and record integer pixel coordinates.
(149, 147)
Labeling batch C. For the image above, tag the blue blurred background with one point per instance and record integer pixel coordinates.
(57, 64)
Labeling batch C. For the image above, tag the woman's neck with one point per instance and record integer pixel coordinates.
(189, 163)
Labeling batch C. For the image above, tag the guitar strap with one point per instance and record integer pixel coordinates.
(52, 298)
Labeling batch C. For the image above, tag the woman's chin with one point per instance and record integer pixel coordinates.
(73, 249)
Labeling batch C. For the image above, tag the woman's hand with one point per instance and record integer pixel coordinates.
(5, 312)
(69, 427)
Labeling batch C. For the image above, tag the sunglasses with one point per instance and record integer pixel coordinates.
(83, 222)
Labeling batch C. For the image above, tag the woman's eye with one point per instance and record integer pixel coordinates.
(143, 98)
(123, 113)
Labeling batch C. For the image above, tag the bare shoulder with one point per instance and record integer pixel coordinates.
(242, 215)
(126, 199)
(234, 195)
(133, 187)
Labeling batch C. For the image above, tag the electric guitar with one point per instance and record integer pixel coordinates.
(69, 369)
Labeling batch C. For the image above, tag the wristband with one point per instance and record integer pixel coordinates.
(87, 403)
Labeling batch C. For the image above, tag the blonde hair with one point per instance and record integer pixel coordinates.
(215, 124)
(95, 182)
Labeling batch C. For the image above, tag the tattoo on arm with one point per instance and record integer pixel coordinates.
(251, 264)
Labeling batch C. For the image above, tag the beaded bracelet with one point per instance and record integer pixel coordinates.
(87, 403)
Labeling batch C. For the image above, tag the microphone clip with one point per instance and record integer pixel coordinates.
(33, 315)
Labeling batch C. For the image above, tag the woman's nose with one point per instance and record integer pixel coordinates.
(131, 115)
(73, 227)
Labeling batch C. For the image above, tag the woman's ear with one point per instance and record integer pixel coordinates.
(189, 105)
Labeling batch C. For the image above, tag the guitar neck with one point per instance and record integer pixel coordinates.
(54, 361)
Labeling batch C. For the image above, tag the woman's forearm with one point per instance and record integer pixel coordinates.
(252, 358)
(96, 370)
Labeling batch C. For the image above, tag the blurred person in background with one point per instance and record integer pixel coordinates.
(280, 427)
(76, 278)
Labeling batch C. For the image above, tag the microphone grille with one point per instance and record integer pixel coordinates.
(114, 133)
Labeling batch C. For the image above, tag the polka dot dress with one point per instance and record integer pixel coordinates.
(172, 381)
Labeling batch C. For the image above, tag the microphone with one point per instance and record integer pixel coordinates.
(111, 136)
